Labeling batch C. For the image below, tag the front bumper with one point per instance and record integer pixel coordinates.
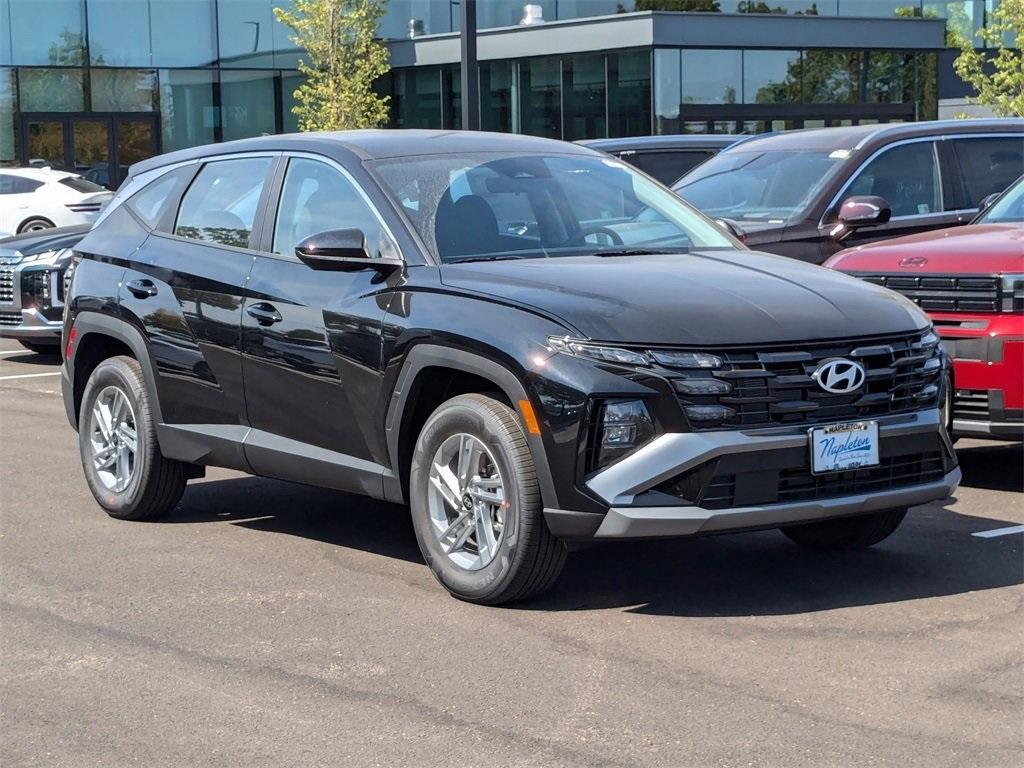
(768, 489)
(28, 324)
(31, 300)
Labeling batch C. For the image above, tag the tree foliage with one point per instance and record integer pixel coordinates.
(996, 74)
(344, 59)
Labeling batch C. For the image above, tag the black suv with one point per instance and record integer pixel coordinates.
(789, 192)
(527, 341)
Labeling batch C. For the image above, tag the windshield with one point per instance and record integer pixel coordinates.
(485, 206)
(772, 187)
(1009, 209)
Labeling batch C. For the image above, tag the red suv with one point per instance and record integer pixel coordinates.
(971, 281)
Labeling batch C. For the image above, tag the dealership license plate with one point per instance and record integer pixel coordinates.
(840, 447)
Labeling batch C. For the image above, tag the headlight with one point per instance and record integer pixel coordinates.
(45, 258)
(1013, 293)
(622, 427)
(608, 354)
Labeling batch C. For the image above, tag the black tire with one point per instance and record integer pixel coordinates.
(156, 483)
(847, 532)
(528, 558)
(41, 347)
(35, 224)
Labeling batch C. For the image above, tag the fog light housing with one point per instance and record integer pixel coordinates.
(702, 386)
(705, 414)
(622, 427)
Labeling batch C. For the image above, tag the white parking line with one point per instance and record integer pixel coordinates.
(29, 375)
(999, 532)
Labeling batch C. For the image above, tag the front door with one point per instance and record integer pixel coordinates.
(99, 146)
(311, 340)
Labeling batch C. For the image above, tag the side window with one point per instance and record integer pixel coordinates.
(906, 176)
(152, 201)
(668, 167)
(220, 205)
(6, 185)
(317, 198)
(17, 185)
(988, 165)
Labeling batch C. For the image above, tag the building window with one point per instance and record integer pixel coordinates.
(247, 104)
(499, 96)
(889, 77)
(771, 77)
(47, 33)
(831, 77)
(188, 116)
(585, 92)
(8, 117)
(250, 37)
(667, 90)
(416, 99)
(119, 33)
(122, 90)
(711, 76)
(451, 112)
(289, 82)
(51, 90)
(541, 97)
(629, 93)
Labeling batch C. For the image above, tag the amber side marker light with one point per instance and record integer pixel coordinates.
(529, 417)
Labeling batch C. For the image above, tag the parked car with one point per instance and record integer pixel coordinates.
(614, 366)
(33, 284)
(971, 281)
(33, 199)
(786, 190)
(665, 158)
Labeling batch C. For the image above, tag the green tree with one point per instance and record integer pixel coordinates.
(345, 58)
(996, 74)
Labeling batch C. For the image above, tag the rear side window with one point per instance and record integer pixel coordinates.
(988, 165)
(151, 203)
(906, 177)
(668, 167)
(17, 185)
(79, 184)
(220, 205)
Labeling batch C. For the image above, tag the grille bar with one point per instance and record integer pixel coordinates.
(945, 293)
(971, 404)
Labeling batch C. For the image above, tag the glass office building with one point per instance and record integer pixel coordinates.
(96, 85)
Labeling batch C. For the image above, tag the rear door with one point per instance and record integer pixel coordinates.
(186, 286)
(312, 339)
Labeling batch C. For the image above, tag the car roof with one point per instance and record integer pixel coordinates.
(865, 136)
(670, 141)
(373, 145)
(43, 174)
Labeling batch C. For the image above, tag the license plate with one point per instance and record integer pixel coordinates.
(840, 447)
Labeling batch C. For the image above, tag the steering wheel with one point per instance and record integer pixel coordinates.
(597, 229)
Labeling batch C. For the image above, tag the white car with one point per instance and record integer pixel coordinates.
(32, 199)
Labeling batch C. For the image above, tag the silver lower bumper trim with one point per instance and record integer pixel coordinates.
(652, 522)
(33, 326)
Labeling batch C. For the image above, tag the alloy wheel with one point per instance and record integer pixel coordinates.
(466, 501)
(113, 438)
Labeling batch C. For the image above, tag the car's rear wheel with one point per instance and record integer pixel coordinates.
(476, 504)
(847, 532)
(124, 467)
(35, 224)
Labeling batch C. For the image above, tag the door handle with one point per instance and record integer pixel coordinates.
(265, 314)
(141, 289)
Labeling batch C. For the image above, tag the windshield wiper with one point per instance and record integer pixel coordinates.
(640, 251)
(490, 257)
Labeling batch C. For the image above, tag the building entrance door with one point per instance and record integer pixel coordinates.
(99, 146)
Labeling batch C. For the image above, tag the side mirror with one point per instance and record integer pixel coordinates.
(986, 202)
(858, 212)
(342, 250)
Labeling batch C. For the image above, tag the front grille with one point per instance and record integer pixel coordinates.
(7, 265)
(971, 405)
(800, 485)
(945, 293)
(773, 386)
(10, 318)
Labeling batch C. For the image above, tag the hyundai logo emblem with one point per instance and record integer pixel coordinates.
(840, 376)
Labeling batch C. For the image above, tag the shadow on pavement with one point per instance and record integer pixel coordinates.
(750, 574)
(35, 358)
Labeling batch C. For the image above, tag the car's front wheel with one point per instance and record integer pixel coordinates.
(124, 467)
(476, 504)
(847, 532)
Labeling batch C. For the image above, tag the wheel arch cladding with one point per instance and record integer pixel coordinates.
(432, 374)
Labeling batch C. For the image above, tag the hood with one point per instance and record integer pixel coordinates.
(973, 249)
(708, 298)
(46, 240)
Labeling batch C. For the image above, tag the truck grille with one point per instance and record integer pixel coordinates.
(971, 405)
(945, 293)
(773, 386)
(10, 318)
(7, 266)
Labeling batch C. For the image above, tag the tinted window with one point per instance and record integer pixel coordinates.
(317, 198)
(906, 176)
(79, 184)
(18, 185)
(220, 205)
(1009, 209)
(151, 201)
(666, 167)
(988, 165)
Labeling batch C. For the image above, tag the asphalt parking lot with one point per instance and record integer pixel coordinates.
(264, 623)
